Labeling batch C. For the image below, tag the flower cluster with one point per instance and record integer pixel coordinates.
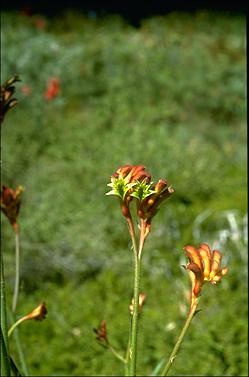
(130, 182)
(10, 203)
(203, 266)
(6, 100)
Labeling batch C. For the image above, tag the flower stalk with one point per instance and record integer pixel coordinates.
(133, 183)
(38, 314)
(17, 271)
(180, 338)
(203, 266)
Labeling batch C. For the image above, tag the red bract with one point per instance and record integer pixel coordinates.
(53, 89)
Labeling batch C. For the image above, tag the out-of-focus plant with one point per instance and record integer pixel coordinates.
(133, 184)
(10, 205)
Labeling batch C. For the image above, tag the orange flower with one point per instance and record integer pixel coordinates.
(38, 313)
(203, 266)
(142, 297)
(53, 89)
(122, 183)
(10, 203)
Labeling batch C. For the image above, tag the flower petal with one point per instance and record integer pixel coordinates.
(193, 255)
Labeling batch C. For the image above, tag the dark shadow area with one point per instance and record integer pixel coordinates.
(133, 12)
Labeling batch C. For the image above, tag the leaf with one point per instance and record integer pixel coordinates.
(5, 362)
(157, 368)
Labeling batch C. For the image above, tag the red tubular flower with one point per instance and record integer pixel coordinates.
(53, 89)
(10, 203)
(203, 266)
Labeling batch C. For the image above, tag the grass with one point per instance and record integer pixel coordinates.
(169, 95)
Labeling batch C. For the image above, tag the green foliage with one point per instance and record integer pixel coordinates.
(171, 96)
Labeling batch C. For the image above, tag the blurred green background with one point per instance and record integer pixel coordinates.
(170, 95)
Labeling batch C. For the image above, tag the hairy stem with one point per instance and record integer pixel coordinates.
(180, 339)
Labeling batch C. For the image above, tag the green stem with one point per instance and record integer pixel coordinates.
(180, 339)
(5, 359)
(17, 274)
(128, 352)
(19, 349)
(17, 323)
(134, 327)
(116, 354)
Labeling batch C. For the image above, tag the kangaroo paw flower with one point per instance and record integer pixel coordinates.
(10, 203)
(134, 182)
(203, 266)
(101, 333)
(6, 101)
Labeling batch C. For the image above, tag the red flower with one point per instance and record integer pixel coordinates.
(53, 89)
(10, 203)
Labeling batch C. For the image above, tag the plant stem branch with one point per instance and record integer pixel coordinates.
(180, 339)
(23, 364)
(17, 274)
(116, 354)
(17, 323)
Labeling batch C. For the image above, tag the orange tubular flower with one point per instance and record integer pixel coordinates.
(123, 182)
(10, 203)
(203, 266)
(135, 182)
(38, 313)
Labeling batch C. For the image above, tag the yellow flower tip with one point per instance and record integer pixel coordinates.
(224, 271)
(38, 313)
(203, 265)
